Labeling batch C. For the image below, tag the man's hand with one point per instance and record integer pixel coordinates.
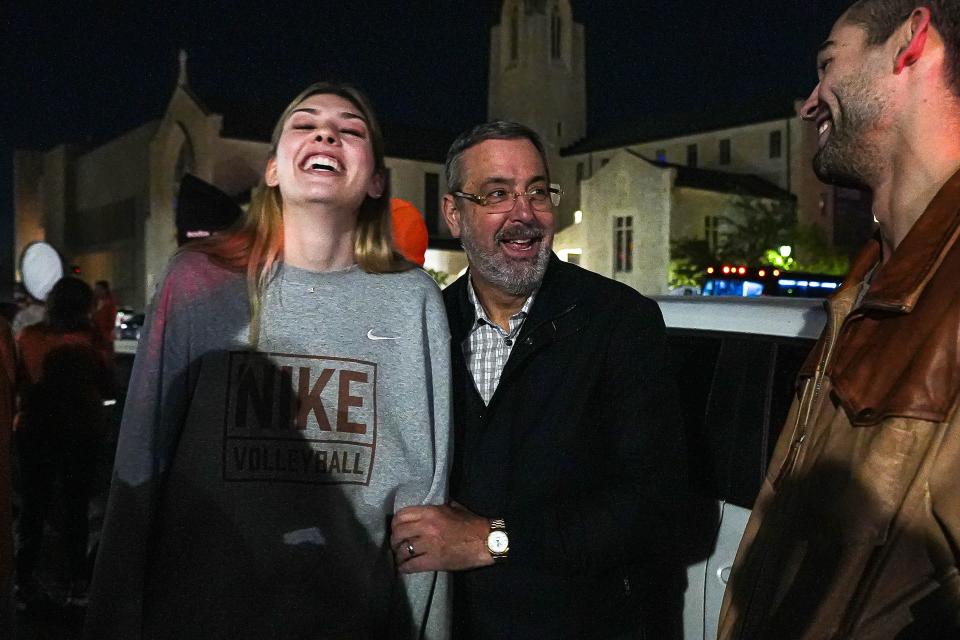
(443, 538)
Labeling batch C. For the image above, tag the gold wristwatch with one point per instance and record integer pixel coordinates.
(498, 544)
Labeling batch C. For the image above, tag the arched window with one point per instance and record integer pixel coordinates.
(556, 33)
(515, 34)
(185, 164)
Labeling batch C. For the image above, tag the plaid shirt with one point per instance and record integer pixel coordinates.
(487, 346)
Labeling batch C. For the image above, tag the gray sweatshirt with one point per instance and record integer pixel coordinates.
(253, 489)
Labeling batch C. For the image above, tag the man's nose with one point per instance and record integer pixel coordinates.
(808, 110)
(522, 207)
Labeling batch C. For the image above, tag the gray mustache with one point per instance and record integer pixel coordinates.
(525, 233)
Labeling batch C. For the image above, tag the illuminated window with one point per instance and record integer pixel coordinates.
(623, 244)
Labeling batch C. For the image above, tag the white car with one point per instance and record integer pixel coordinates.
(736, 361)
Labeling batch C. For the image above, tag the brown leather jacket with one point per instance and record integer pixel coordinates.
(856, 531)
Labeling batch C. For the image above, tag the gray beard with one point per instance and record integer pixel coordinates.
(848, 158)
(518, 278)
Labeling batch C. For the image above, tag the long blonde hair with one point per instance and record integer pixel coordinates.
(255, 243)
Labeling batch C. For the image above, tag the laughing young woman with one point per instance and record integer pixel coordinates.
(290, 392)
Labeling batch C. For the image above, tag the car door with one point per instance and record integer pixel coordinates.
(735, 390)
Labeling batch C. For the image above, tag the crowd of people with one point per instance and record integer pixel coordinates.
(317, 442)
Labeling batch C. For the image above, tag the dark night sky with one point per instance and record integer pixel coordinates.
(81, 72)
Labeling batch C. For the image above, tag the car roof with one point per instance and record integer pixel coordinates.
(768, 316)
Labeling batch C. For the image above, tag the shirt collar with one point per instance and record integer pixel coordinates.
(480, 314)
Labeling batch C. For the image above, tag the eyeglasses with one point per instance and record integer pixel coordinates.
(502, 201)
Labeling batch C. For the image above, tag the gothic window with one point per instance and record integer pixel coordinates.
(623, 244)
(556, 34)
(185, 164)
(515, 34)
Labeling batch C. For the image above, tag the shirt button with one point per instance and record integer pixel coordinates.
(508, 342)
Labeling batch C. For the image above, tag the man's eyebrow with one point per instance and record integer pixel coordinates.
(826, 45)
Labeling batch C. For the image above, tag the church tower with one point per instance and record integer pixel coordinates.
(537, 78)
(537, 70)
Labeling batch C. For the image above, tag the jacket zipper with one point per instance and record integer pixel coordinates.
(806, 410)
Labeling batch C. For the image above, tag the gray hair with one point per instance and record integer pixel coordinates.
(494, 130)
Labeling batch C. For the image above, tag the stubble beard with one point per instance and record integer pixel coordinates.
(516, 277)
(849, 157)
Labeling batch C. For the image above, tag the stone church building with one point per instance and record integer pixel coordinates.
(111, 210)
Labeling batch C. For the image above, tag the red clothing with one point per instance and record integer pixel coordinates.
(7, 376)
(37, 341)
(105, 318)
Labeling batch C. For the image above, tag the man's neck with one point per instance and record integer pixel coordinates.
(499, 305)
(928, 155)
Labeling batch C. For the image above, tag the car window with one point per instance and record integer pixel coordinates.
(735, 391)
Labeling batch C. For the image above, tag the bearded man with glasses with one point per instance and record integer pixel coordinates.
(568, 464)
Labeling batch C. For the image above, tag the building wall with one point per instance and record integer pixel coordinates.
(538, 88)
(27, 202)
(238, 165)
(408, 181)
(691, 207)
(627, 187)
(185, 125)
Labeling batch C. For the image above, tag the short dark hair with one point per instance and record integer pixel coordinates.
(69, 304)
(880, 18)
(494, 130)
(103, 283)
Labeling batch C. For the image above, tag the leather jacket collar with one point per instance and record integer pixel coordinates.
(898, 353)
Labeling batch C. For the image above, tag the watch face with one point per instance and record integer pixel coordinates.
(498, 542)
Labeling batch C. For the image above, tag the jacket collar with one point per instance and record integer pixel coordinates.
(553, 298)
(898, 284)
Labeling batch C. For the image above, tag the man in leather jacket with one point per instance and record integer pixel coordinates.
(856, 531)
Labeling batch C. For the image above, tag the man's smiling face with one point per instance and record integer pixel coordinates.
(509, 251)
(849, 106)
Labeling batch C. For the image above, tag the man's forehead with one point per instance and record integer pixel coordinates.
(517, 158)
(845, 33)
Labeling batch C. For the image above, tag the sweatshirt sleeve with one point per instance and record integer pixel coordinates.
(152, 419)
(428, 594)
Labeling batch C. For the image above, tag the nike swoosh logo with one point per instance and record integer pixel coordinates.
(373, 336)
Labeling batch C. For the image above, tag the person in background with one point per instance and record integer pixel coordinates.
(29, 309)
(7, 404)
(65, 375)
(290, 392)
(105, 314)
